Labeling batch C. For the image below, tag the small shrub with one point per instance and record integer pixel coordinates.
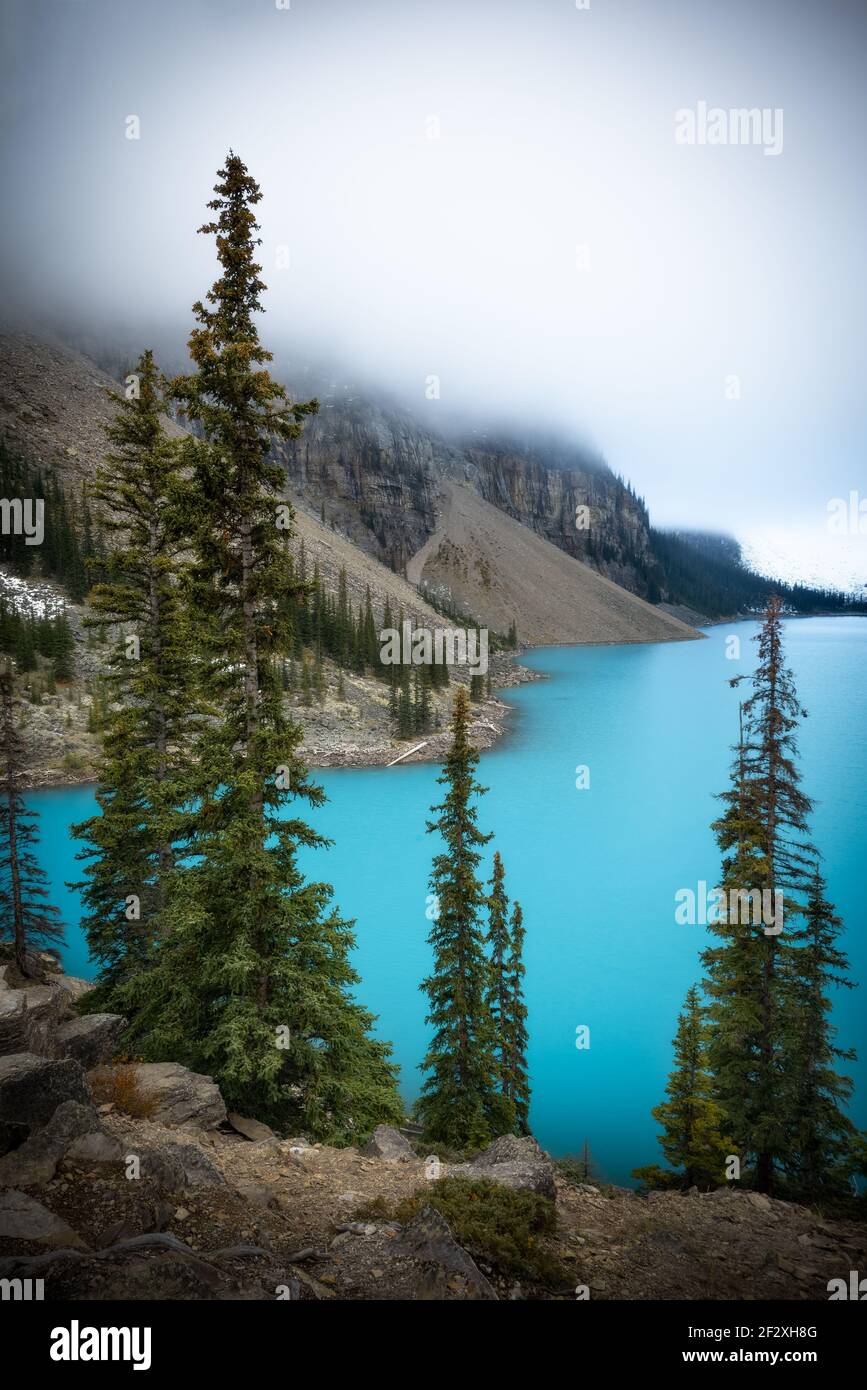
(377, 1209)
(118, 1085)
(425, 1147)
(496, 1224)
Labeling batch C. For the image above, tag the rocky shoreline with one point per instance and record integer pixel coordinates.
(354, 732)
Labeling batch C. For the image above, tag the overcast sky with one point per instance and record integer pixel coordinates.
(492, 192)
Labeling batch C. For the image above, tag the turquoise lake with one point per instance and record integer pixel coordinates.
(596, 870)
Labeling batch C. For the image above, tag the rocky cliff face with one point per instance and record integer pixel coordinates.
(542, 485)
(376, 473)
(372, 473)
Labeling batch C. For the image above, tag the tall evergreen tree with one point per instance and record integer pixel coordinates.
(820, 1150)
(497, 994)
(253, 982)
(752, 976)
(762, 834)
(460, 1103)
(130, 846)
(27, 919)
(692, 1139)
(747, 1075)
(517, 1079)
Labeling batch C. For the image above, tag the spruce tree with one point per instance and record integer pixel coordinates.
(62, 649)
(770, 1045)
(747, 1081)
(369, 643)
(253, 982)
(459, 1104)
(497, 994)
(822, 1135)
(130, 846)
(517, 1078)
(692, 1138)
(763, 836)
(27, 919)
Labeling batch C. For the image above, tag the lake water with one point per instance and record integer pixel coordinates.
(596, 870)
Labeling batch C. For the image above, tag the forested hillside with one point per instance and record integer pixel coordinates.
(705, 572)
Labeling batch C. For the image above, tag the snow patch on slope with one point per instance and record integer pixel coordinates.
(32, 598)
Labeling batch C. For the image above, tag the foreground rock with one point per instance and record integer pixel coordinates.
(445, 1270)
(36, 1013)
(35, 1162)
(253, 1130)
(24, 1219)
(30, 1017)
(514, 1162)
(74, 987)
(90, 1039)
(176, 1097)
(32, 1087)
(324, 1226)
(388, 1143)
(174, 1167)
(159, 1266)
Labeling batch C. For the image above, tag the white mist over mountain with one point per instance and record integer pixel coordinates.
(807, 555)
(490, 194)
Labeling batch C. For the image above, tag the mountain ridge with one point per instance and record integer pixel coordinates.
(376, 479)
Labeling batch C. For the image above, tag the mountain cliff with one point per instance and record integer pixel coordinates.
(376, 485)
(376, 471)
(382, 475)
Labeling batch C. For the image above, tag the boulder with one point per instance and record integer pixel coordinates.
(159, 1167)
(11, 1136)
(32, 1087)
(180, 1098)
(155, 1266)
(173, 1167)
(258, 1194)
(12, 1023)
(39, 966)
(195, 1167)
(75, 988)
(444, 1269)
(523, 1177)
(759, 1201)
(45, 1008)
(388, 1143)
(509, 1148)
(35, 1162)
(517, 1163)
(90, 1039)
(23, 1218)
(251, 1129)
(94, 1150)
(29, 1018)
